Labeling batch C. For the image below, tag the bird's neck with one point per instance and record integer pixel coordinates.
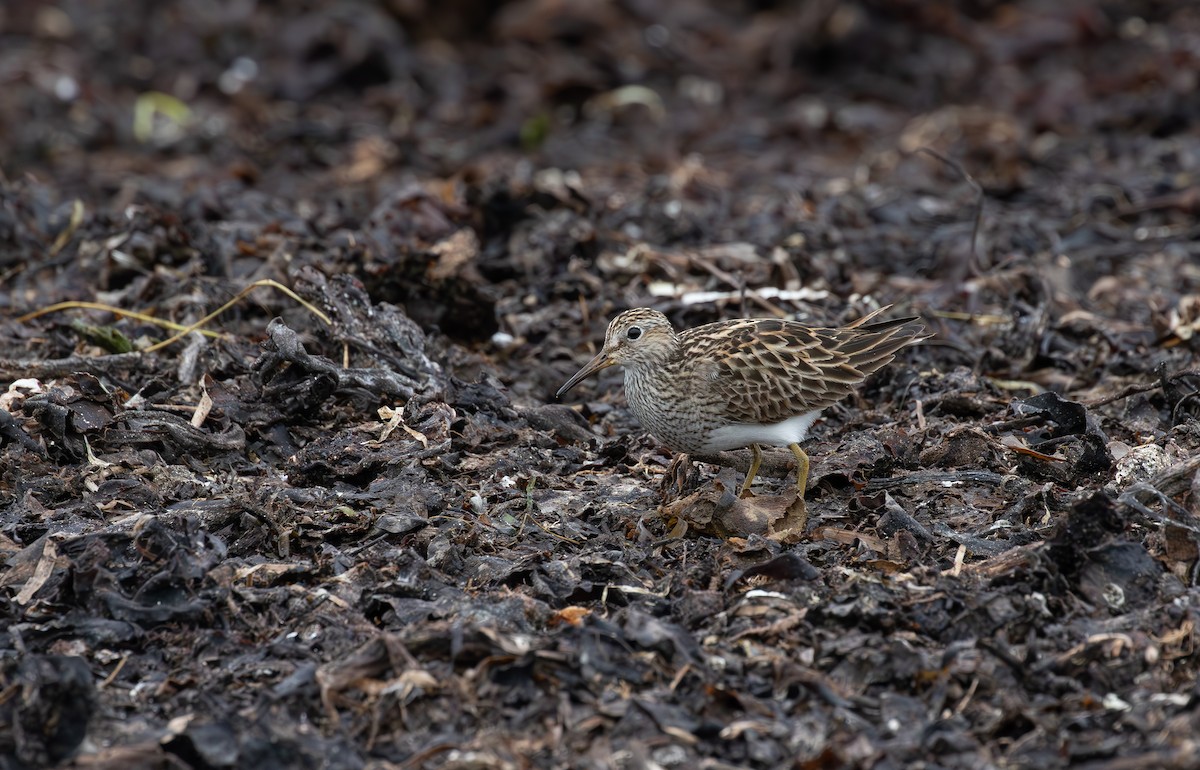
(641, 374)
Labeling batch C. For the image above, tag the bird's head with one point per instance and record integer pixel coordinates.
(638, 337)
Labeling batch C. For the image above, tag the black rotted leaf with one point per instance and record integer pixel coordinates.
(49, 701)
(1069, 417)
(785, 566)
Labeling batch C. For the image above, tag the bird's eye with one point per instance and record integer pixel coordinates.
(634, 332)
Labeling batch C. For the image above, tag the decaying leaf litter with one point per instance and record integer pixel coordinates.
(380, 542)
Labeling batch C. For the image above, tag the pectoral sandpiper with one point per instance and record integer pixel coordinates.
(733, 384)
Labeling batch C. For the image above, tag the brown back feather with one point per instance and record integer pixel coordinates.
(768, 370)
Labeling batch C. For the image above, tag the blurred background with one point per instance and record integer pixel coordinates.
(280, 93)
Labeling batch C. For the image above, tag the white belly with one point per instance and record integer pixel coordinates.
(791, 431)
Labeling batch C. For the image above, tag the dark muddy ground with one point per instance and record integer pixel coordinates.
(371, 538)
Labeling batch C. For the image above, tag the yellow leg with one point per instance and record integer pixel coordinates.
(750, 474)
(801, 468)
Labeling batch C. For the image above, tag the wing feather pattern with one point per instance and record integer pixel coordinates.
(767, 370)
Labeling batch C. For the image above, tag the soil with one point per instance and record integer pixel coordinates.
(289, 289)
